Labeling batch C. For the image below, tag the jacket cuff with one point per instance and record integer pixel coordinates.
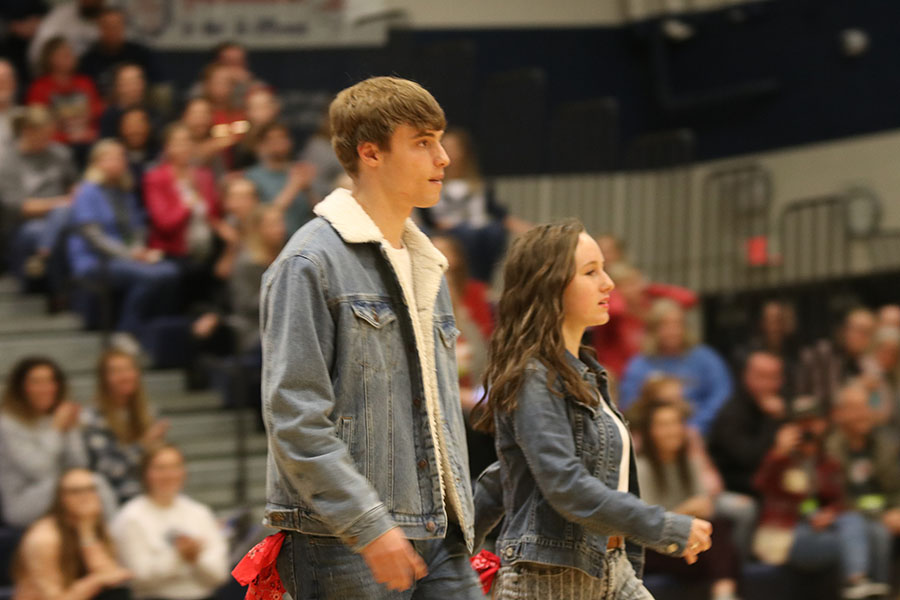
(676, 532)
(367, 528)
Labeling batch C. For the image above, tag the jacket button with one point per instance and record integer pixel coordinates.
(509, 552)
(422, 464)
(417, 402)
(672, 548)
(430, 526)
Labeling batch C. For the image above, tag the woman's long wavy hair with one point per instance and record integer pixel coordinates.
(71, 558)
(129, 425)
(539, 266)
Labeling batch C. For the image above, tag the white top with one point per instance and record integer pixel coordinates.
(626, 446)
(144, 534)
(399, 257)
(66, 21)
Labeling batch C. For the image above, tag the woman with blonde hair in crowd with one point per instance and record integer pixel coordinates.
(111, 242)
(68, 553)
(670, 348)
(39, 438)
(122, 426)
(172, 544)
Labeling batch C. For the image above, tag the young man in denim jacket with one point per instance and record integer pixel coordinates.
(367, 470)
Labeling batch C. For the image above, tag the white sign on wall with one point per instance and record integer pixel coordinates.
(259, 24)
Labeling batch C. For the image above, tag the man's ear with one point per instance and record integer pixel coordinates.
(369, 153)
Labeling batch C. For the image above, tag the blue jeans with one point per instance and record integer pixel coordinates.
(851, 543)
(323, 568)
(149, 290)
(36, 234)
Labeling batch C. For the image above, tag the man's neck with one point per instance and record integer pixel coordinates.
(387, 215)
(856, 442)
(275, 164)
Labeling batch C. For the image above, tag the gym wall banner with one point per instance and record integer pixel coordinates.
(258, 24)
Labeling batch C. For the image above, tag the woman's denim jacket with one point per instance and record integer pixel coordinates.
(351, 452)
(556, 478)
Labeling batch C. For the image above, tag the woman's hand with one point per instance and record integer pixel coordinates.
(155, 433)
(699, 540)
(65, 417)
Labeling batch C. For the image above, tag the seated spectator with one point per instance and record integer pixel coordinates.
(39, 439)
(110, 243)
(121, 427)
(670, 349)
(804, 520)
(68, 553)
(738, 509)
(776, 334)
(197, 117)
(36, 181)
(868, 456)
(8, 90)
(629, 303)
(278, 180)
(182, 201)
(22, 18)
(141, 147)
(75, 20)
(173, 545)
(319, 153)
(183, 205)
(241, 202)
(671, 477)
(613, 249)
(228, 116)
(475, 320)
(825, 366)
(71, 97)
(263, 107)
(112, 48)
(748, 424)
(233, 57)
(889, 316)
(881, 369)
(468, 209)
(128, 90)
(234, 327)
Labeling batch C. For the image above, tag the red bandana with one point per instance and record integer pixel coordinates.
(257, 570)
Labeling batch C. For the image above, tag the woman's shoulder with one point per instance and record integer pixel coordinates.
(43, 536)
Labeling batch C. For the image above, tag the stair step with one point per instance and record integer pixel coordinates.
(218, 424)
(224, 471)
(8, 285)
(157, 384)
(73, 351)
(256, 445)
(223, 497)
(59, 323)
(22, 306)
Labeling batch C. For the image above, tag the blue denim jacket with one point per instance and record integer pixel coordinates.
(556, 479)
(356, 410)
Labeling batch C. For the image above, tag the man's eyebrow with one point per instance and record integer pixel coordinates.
(425, 133)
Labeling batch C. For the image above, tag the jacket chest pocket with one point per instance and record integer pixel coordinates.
(376, 326)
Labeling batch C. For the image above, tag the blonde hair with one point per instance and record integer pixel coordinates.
(132, 426)
(253, 243)
(662, 308)
(371, 110)
(32, 117)
(94, 174)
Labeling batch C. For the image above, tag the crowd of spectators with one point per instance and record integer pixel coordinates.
(174, 202)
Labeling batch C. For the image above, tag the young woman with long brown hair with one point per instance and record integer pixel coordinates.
(566, 480)
(68, 554)
(122, 426)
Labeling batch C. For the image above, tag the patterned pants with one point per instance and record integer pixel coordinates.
(530, 581)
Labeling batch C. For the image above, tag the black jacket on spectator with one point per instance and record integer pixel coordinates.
(739, 439)
(99, 64)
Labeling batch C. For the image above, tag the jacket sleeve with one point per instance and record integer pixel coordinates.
(544, 434)
(488, 496)
(298, 337)
(166, 213)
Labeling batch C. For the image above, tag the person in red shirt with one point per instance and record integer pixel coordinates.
(182, 200)
(619, 340)
(73, 98)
